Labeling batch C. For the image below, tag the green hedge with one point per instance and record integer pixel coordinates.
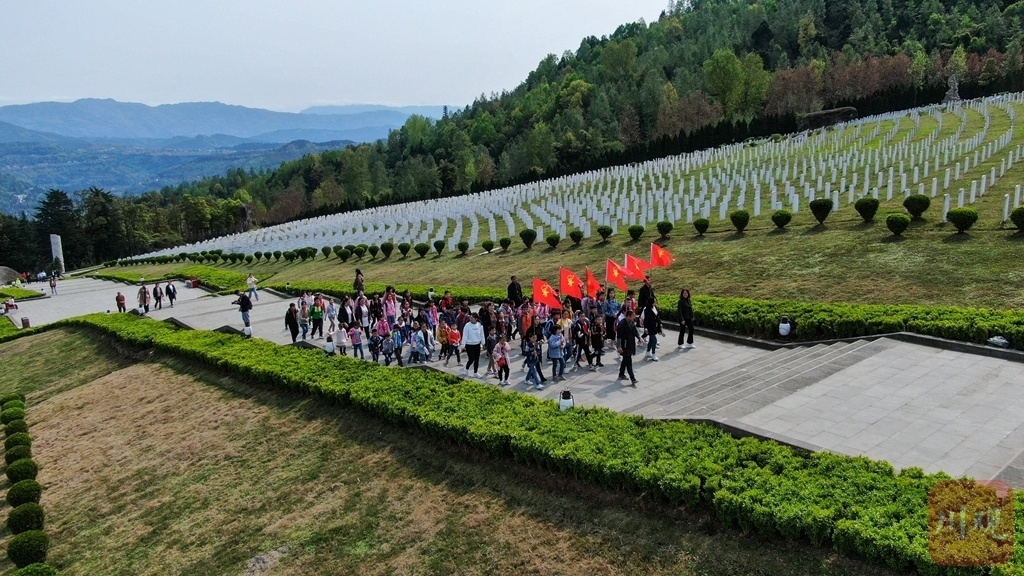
(760, 318)
(17, 293)
(860, 505)
(216, 279)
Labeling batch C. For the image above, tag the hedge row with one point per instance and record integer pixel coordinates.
(862, 506)
(17, 293)
(760, 318)
(214, 278)
(28, 545)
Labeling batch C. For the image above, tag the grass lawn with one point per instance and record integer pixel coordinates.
(161, 468)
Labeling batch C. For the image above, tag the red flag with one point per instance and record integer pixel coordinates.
(593, 286)
(614, 274)
(543, 293)
(570, 284)
(660, 258)
(635, 267)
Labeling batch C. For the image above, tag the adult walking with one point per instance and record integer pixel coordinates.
(291, 321)
(515, 292)
(316, 318)
(244, 306)
(646, 293)
(158, 296)
(473, 336)
(251, 283)
(171, 292)
(652, 325)
(53, 284)
(144, 297)
(120, 300)
(611, 313)
(358, 284)
(626, 337)
(685, 309)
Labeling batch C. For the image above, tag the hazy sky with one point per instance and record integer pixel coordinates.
(290, 55)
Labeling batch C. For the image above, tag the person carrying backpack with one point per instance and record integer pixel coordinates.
(387, 347)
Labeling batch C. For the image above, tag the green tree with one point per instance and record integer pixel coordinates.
(723, 77)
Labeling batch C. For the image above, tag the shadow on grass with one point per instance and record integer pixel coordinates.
(698, 238)
(612, 525)
(893, 239)
(956, 238)
(735, 236)
(816, 229)
(778, 231)
(1015, 237)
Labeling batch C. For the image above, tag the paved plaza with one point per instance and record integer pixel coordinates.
(909, 404)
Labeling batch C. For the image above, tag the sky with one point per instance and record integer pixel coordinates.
(288, 56)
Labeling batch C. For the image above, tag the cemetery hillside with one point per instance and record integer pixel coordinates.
(703, 74)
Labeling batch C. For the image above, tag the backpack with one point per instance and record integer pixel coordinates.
(548, 326)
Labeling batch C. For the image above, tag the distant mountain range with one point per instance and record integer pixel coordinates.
(130, 148)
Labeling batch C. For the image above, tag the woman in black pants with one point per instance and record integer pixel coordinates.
(685, 320)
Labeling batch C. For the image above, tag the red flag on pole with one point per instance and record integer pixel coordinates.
(543, 293)
(635, 267)
(660, 258)
(614, 274)
(593, 286)
(569, 283)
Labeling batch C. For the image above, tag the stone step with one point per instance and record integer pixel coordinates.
(750, 391)
(769, 375)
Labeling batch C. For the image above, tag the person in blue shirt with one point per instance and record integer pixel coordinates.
(556, 349)
(611, 312)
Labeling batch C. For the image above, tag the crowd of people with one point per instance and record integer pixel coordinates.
(391, 327)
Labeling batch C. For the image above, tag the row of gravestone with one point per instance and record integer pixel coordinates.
(782, 173)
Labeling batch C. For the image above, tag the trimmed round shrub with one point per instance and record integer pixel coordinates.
(701, 224)
(1017, 217)
(37, 569)
(12, 414)
(11, 397)
(17, 453)
(28, 516)
(505, 243)
(15, 426)
(277, 255)
(962, 218)
(487, 245)
(337, 250)
(867, 207)
(782, 217)
(258, 255)
(14, 404)
(821, 208)
(24, 491)
(326, 250)
(553, 240)
(576, 236)
(386, 249)
(19, 439)
(636, 231)
(373, 250)
(23, 469)
(289, 256)
(664, 228)
(359, 252)
(740, 219)
(462, 247)
(344, 255)
(250, 258)
(897, 223)
(916, 204)
(438, 246)
(604, 231)
(404, 248)
(528, 236)
(422, 249)
(28, 548)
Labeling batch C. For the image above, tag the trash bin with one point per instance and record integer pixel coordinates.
(24, 322)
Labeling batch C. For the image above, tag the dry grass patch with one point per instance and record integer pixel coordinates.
(160, 468)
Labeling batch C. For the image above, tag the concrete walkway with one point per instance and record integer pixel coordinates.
(909, 404)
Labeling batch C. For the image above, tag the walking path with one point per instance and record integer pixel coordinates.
(909, 404)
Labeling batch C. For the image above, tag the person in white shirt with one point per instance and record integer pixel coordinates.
(473, 338)
(251, 283)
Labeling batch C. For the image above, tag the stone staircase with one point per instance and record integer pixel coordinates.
(748, 387)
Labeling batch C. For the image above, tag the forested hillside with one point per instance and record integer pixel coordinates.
(707, 72)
